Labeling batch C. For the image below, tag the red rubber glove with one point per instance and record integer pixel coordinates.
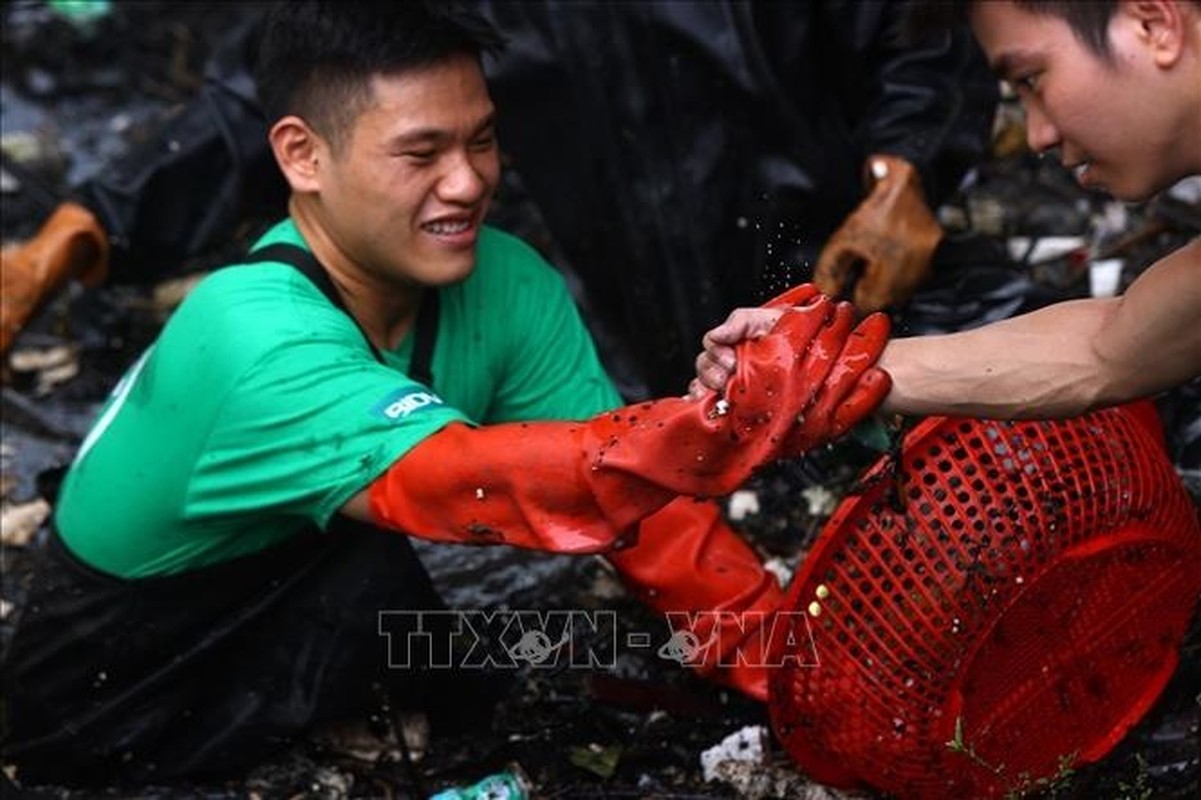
(579, 486)
(853, 388)
(689, 564)
(891, 237)
(70, 244)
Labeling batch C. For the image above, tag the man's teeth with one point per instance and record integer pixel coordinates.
(447, 228)
(1080, 169)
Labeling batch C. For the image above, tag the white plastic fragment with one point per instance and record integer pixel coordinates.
(1105, 277)
(1041, 249)
(781, 570)
(742, 503)
(745, 745)
(19, 523)
(821, 500)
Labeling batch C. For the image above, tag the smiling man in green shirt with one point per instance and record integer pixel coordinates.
(382, 364)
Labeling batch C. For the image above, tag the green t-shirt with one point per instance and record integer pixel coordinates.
(260, 409)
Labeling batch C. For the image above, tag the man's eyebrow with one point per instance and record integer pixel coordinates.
(1007, 63)
(420, 136)
(432, 135)
(486, 123)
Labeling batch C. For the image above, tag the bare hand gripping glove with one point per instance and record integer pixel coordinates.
(891, 237)
(70, 244)
(581, 486)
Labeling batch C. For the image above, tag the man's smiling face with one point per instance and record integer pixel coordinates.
(406, 193)
(1115, 121)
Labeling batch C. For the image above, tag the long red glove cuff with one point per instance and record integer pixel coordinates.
(517, 484)
(719, 600)
(684, 561)
(576, 487)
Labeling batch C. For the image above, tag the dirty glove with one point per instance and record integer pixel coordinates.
(851, 391)
(719, 599)
(70, 244)
(890, 237)
(854, 387)
(579, 486)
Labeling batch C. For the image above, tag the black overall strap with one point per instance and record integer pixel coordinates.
(420, 367)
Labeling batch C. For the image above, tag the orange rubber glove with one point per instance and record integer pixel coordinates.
(70, 244)
(580, 486)
(689, 564)
(890, 238)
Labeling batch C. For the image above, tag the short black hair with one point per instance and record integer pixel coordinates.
(1088, 19)
(316, 57)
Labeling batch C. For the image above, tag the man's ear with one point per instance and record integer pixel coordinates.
(1162, 26)
(298, 151)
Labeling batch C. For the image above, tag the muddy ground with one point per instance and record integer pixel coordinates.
(634, 726)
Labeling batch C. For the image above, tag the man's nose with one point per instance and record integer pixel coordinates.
(1041, 133)
(465, 178)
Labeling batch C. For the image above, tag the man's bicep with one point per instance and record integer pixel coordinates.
(1153, 340)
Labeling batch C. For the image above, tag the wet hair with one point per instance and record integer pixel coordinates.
(316, 58)
(1089, 21)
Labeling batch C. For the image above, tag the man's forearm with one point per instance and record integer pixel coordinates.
(1041, 364)
(1061, 360)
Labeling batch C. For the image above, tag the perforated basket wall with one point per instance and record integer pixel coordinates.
(1019, 589)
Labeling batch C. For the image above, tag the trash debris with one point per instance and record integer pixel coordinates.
(81, 12)
(170, 293)
(1187, 190)
(742, 503)
(415, 730)
(821, 500)
(1041, 249)
(1105, 277)
(781, 570)
(600, 760)
(47, 366)
(745, 745)
(357, 741)
(18, 523)
(512, 784)
(741, 761)
(331, 784)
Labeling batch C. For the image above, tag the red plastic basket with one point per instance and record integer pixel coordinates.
(1006, 602)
